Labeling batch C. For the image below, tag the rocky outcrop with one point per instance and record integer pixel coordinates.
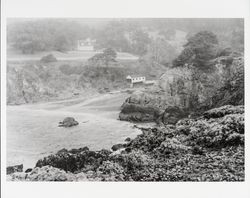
(173, 114)
(117, 147)
(13, 169)
(224, 110)
(142, 107)
(156, 104)
(188, 90)
(47, 173)
(207, 148)
(68, 122)
(75, 159)
(218, 127)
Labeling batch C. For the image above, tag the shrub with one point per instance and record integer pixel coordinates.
(48, 58)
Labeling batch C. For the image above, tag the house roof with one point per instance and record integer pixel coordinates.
(135, 76)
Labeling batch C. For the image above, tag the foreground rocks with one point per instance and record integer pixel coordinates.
(47, 173)
(13, 169)
(208, 148)
(76, 159)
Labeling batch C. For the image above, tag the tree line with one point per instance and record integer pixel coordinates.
(132, 36)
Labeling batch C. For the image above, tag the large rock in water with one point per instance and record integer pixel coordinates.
(68, 122)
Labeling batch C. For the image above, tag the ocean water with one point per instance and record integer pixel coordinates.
(33, 132)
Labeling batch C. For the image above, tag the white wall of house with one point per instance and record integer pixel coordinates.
(85, 45)
(138, 79)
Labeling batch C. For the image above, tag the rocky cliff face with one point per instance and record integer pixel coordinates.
(186, 90)
(32, 83)
(35, 82)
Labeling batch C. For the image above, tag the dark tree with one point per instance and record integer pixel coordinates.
(110, 54)
(140, 42)
(198, 51)
(105, 58)
(48, 58)
(45, 35)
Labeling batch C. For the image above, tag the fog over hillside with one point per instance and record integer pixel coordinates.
(125, 99)
(116, 33)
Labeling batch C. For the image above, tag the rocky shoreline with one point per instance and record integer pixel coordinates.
(207, 148)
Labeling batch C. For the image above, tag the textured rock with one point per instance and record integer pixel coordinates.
(224, 110)
(141, 107)
(75, 159)
(173, 114)
(220, 127)
(117, 147)
(45, 173)
(68, 122)
(13, 169)
(128, 139)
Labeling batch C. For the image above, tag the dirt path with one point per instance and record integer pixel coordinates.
(33, 132)
(69, 56)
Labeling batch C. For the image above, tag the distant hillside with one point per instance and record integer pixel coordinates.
(29, 82)
(135, 36)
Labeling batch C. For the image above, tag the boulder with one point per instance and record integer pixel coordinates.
(142, 107)
(68, 122)
(173, 114)
(28, 170)
(117, 147)
(128, 139)
(75, 159)
(13, 169)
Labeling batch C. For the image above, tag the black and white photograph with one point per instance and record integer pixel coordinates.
(124, 99)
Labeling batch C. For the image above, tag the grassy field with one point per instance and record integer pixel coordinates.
(71, 55)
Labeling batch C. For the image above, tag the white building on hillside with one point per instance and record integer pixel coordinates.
(86, 45)
(135, 79)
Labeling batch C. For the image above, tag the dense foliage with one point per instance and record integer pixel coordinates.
(44, 35)
(105, 58)
(198, 51)
(48, 58)
(137, 36)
